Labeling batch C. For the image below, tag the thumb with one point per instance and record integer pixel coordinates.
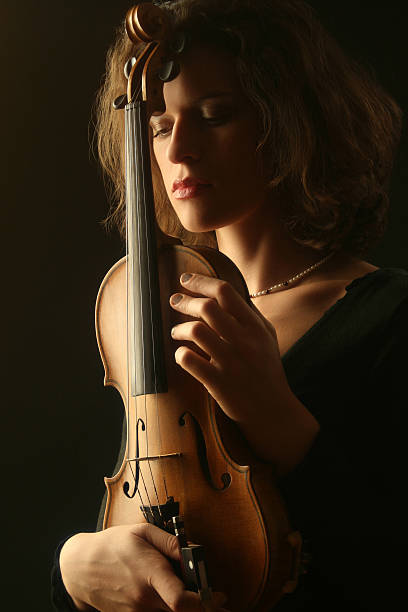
(165, 542)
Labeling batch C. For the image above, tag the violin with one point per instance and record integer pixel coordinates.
(187, 468)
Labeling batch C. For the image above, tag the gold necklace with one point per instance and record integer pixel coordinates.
(298, 276)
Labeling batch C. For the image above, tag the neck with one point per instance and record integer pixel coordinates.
(263, 250)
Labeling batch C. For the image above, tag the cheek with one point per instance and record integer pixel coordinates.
(238, 149)
(164, 167)
(243, 166)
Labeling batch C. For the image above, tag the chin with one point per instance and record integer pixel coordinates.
(202, 217)
(197, 224)
(198, 228)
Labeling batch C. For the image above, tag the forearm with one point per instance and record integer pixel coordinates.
(283, 434)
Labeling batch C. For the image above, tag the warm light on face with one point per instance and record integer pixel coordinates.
(208, 135)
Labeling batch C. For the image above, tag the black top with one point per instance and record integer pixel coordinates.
(346, 496)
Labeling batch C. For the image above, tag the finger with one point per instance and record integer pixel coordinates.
(176, 597)
(163, 582)
(203, 337)
(208, 310)
(191, 602)
(221, 291)
(200, 368)
(165, 542)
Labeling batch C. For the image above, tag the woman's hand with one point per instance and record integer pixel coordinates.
(244, 367)
(125, 569)
(243, 371)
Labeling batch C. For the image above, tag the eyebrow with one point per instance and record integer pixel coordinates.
(209, 96)
(216, 94)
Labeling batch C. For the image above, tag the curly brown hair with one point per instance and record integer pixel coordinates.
(336, 128)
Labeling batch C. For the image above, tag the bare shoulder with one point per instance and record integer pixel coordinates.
(349, 268)
(294, 311)
(330, 285)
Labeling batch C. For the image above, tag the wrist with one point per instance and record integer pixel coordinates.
(283, 433)
(68, 562)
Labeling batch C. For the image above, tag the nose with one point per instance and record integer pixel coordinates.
(185, 143)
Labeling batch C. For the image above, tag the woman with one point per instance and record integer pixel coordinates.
(276, 149)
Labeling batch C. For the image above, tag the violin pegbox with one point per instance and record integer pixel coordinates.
(163, 66)
(158, 62)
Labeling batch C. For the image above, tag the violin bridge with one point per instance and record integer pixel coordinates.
(161, 515)
(153, 457)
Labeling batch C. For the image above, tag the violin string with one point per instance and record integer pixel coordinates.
(127, 165)
(147, 492)
(138, 134)
(135, 152)
(137, 96)
(160, 465)
(137, 128)
(162, 469)
(132, 371)
(138, 491)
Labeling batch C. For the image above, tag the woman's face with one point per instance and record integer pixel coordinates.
(205, 144)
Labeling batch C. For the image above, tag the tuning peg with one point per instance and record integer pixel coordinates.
(120, 102)
(169, 71)
(179, 42)
(128, 66)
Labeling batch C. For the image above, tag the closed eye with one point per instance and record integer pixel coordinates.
(215, 120)
(211, 120)
(162, 132)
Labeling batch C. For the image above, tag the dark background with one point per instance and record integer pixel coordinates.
(60, 427)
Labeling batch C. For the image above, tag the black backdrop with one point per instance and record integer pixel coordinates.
(60, 428)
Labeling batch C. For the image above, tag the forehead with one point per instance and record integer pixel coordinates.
(204, 71)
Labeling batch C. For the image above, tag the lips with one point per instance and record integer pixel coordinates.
(189, 187)
(189, 181)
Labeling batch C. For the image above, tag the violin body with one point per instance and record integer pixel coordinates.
(185, 455)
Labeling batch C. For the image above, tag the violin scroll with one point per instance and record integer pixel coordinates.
(146, 23)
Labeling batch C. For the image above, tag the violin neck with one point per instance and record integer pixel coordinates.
(144, 328)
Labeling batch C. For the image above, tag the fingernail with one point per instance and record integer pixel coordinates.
(184, 278)
(176, 298)
(173, 329)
